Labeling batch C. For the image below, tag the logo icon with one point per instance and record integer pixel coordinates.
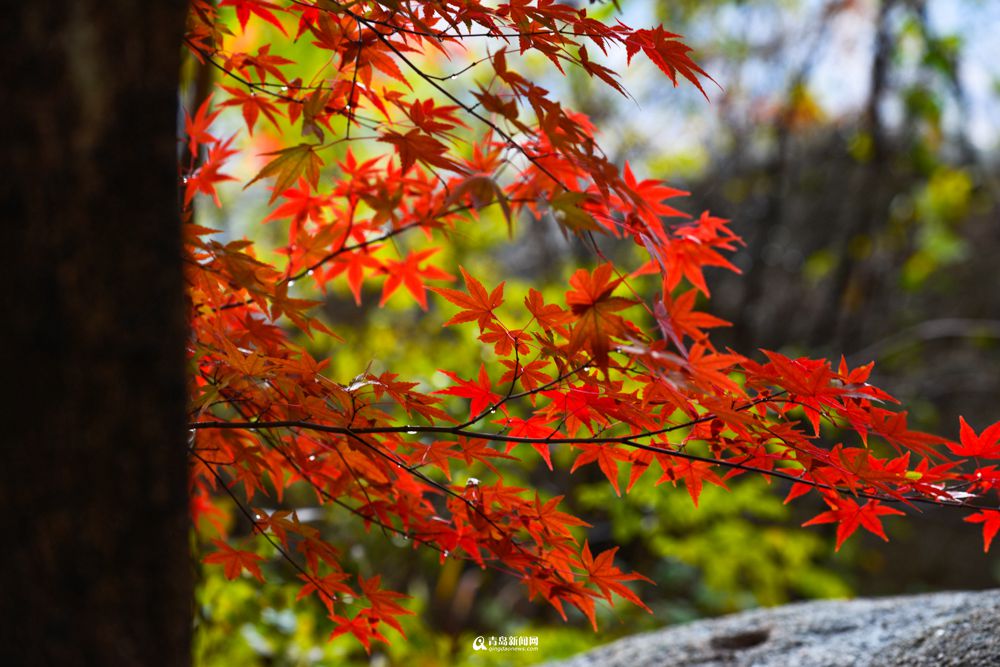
(479, 644)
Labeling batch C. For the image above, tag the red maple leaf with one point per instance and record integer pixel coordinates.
(204, 178)
(668, 53)
(592, 303)
(848, 516)
(476, 304)
(607, 456)
(991, 524)
(196, 128)
(411, 275)
(693, 473)
(480, 392)
(985, 445)
(364, 627)
(602, 572)
(252, 105)
(234, 561)
(259, 7)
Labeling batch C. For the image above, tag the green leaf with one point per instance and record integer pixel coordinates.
(567, 212)
(289, 164)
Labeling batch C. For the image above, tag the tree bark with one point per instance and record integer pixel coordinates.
(93, 467)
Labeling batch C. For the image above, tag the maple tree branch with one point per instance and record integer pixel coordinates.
(528, 392)
(472, 112)
(441, 487)
(423, 539)
(405, 534)
(265, 88)
(629, 412)
(357, 246)
(279, 447)
(246, 82)
(354, 81)
(628, 441)
(399, 463)
(446, 36)
(252, 518)
(414, 470)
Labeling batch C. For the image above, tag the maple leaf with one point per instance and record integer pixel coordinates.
(848, 516)
(385, 64)
(483, 190)
(592, 303)
(693, 473)
(602, 572)
(433, 118)
(505, 341)
(648, 195)
(476, 304)
(384, 603)
(984, 478)
(259, 7)
(991, 524)
(548, 315)
(415, 145)
(567, 211)
(577, 406)
(364, 627)
(355, 265)
(410, 274)
(263, 62)
(437, 453)
(710, 368)
(693, 249)
(252, 106)
(325, 587)
(300, 205)
(196, 128)
(606, 456)
(288, 166)
(203, 180)
(202, 507)
(531, 428)
(234, 561)
(480, 392)
(549, 520)
(986, 444)
(606, 74)
(678, 316)
(531, 375)
(669, 54)
(893, 427)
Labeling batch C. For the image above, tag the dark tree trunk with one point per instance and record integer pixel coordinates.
(95, 568)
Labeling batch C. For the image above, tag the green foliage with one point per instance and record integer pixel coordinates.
(940, 205)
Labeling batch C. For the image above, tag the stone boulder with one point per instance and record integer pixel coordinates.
(940, 629)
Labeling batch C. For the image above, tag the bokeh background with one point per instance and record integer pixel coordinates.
(854, 143)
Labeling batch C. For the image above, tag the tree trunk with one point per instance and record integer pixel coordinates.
(93, 468)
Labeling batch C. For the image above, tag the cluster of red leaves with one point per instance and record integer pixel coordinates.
(621, 381)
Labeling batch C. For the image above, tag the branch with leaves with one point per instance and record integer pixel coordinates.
(608, 375)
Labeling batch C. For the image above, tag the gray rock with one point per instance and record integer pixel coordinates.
(940, 629)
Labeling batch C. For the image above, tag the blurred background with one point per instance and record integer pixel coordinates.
(855, 146)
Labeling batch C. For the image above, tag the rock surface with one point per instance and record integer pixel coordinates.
(940, 629)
